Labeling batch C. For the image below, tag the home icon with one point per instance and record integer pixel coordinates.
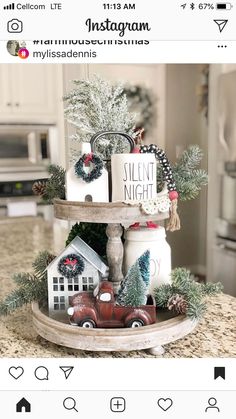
(23, 406)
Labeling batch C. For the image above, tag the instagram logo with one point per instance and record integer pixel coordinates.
(23, 53)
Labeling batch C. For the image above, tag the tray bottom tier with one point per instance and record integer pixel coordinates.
(151, 337)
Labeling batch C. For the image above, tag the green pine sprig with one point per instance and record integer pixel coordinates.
(30, 286)
(40, 264)
(194, 293)
(55, 184)
(188, 178)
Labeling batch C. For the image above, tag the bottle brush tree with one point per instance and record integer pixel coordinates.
(133, 289)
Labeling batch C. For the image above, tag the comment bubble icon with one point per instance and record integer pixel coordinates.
(41, 373)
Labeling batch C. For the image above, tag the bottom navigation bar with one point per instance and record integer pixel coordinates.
(129, 404)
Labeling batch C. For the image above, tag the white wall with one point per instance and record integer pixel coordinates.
(216, 156)
(184, 127)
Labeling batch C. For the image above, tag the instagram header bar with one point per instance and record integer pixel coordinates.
(137, 31)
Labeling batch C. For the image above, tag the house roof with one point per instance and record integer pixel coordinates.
(77, 245)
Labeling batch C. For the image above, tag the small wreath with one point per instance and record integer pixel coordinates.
(95, 173)
(71, 265)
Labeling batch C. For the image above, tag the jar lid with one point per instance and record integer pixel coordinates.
(145, 234)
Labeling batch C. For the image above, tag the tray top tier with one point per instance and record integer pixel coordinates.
(101, 212)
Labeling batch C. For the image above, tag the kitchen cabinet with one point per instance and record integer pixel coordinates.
(224, 268)
(28, 93)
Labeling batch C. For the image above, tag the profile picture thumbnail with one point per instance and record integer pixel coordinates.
(13, 47)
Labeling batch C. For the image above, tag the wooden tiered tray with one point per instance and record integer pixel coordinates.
(101, 212)
(152, 337)
(125, 339)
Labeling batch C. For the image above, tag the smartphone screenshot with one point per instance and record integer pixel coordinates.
(117, 209)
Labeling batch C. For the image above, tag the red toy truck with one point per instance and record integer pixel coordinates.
(100, 310)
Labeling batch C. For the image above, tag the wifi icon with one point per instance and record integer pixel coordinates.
(10, 6)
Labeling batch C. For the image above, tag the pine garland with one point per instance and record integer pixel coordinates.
(188, 179)
(30, 286)
(193, 293)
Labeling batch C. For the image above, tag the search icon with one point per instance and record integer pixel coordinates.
(70, 404)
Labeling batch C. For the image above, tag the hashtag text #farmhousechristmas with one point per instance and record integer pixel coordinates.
(121, 27)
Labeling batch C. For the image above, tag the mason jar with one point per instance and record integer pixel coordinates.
(137, 241)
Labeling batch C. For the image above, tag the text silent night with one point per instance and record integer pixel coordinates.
(139, 182)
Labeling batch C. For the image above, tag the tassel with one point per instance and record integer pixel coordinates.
(174, 221)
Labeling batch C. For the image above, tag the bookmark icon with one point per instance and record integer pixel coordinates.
(219, 372)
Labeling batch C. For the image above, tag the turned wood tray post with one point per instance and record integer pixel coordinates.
(115, 254)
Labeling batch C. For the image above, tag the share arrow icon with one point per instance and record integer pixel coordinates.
(67, 371)
(221, 24)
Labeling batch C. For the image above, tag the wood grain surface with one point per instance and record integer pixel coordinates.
(96, 212)
(125, 339)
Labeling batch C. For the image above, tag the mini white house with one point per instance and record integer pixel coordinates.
(61, 287)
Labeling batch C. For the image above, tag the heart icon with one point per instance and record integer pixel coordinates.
(165, 404)
(16, 372)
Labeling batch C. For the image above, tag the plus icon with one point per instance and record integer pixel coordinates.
(117, 404)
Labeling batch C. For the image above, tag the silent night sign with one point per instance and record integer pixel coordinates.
(133, 177)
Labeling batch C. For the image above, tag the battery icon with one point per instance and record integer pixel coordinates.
(224, 6)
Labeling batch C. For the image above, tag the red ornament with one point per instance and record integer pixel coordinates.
(173, 195)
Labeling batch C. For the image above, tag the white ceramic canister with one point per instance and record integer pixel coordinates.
(79, 190)
(137, 241)
(133, 177)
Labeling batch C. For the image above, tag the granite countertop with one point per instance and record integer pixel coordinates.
(22, 239)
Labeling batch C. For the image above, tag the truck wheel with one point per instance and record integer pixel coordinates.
(135, 323)
(88, 323)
